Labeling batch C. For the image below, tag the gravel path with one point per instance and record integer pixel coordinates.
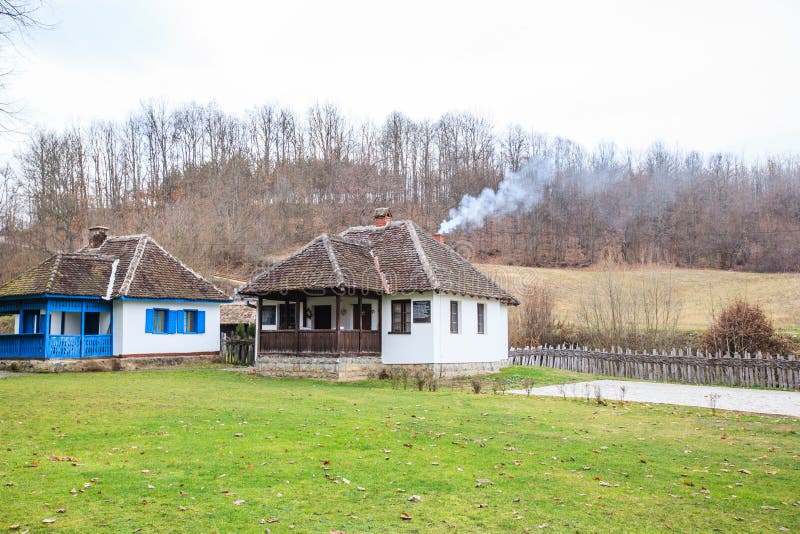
(738, 399)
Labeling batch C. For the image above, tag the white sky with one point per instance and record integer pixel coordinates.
(710, 75)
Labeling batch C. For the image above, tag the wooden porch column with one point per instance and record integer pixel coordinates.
(46, 329)
(296, 321)
(360, 322)
(380, 324)
(258, 329)
(338, 321)
(83, 327)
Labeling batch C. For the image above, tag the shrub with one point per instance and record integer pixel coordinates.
(477, 384)
(423, 378)
(534, 322)
(499, 385)
(741, 327)
(528, 384)
(240, 331)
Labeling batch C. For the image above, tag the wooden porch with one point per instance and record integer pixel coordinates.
(321, 341)
(361, 339)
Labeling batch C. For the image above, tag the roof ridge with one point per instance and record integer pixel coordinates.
(385, 283)
(423, 258)
(53, 272)
(125, 237)
(138, 252)
(197, 275)
(337, 271)
(111, 278)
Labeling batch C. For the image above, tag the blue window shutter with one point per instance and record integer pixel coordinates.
(148, 322)
(179, 328)
(201, 322)
(172, 319)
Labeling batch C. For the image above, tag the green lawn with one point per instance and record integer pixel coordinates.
(207, 450)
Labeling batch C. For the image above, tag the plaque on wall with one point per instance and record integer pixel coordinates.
(422, 311)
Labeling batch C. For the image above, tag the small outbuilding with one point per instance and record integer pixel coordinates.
(119, 296)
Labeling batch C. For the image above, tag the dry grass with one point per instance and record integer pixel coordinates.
(699, 290)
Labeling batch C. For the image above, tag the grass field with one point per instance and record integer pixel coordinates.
(698, 290)
(212, 451)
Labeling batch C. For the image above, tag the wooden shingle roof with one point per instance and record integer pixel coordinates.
(235, 313)
(123, 266)
(399, 257)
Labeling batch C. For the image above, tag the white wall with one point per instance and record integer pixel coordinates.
(416, 347)
(468, 345)
(130, 337)
(433, 343)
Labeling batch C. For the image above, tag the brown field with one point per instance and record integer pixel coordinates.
(698, 290)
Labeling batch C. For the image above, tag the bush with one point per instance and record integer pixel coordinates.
(477, 385)
(741, 327)
(533, 322)
(240, 331)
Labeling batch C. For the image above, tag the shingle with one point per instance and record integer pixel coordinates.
(235, 313)
(407, 257)
(143, 270)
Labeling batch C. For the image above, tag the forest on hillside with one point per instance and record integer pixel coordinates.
(232, 191)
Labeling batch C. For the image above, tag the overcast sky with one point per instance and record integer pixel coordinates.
(711, 75)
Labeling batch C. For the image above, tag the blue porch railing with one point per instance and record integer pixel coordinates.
(33, 346)
(22, 346)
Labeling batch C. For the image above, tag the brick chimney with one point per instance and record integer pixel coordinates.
(383, 216)
(97, 236)
(438, 237)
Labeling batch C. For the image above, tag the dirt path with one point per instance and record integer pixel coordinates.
(737, 399)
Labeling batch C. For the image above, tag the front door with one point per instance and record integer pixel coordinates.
(322, 317)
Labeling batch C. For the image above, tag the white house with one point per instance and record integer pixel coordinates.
(120, 296)
(390, 292)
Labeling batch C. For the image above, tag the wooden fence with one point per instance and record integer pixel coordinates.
(760, 370)
(236, 351)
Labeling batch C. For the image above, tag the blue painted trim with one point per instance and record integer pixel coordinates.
(174, 300)
(50, 295)
(47, 328)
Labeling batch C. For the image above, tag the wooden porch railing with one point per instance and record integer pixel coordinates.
(320, 341)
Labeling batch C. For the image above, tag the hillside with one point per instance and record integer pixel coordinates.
(698, 290)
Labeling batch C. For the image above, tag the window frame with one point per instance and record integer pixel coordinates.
(481, 316)
(455, 307)
(274, 315)
(185, 322)
(404, 318)
(165, 325)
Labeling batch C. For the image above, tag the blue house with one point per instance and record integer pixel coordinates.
(119, 296)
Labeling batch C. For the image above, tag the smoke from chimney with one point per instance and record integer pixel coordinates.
(518, 191)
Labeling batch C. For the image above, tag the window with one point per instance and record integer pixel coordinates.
(163, 321)
(288, 316)
(481, 318)
(454, 317)
(401, 317)
(269, 315)
(159, 321)
(190, 321)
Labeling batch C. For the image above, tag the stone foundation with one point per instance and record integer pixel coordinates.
(450, 370)
(341, 369)
(349, 368)
(78, 365)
